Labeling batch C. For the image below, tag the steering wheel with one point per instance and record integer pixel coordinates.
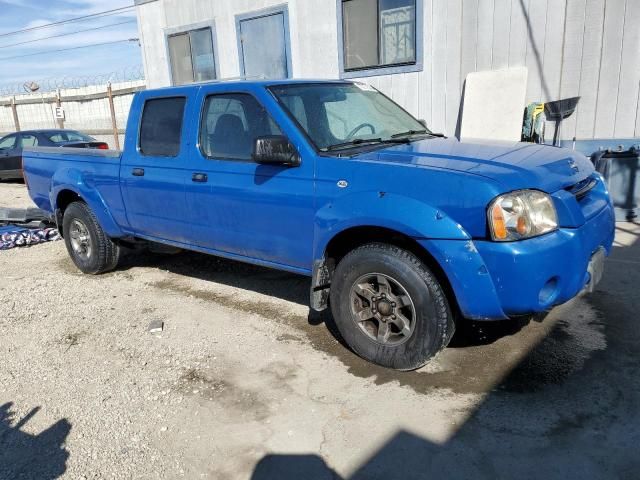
(358, 128)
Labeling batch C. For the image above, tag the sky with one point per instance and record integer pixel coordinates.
(22, 14)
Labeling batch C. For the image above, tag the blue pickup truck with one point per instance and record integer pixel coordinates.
(404, 232)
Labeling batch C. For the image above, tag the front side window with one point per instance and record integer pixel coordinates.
(334, 114)
(8, 142)
(230, 125)
(191, 56)
(378, 33)
(161, 127)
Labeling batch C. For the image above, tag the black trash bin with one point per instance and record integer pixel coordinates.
(621, 169)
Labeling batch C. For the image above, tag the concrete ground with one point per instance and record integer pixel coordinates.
(245, 382)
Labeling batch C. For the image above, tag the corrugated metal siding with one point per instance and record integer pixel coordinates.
(589, 48)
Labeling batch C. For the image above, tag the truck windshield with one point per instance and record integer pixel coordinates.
(338, 116)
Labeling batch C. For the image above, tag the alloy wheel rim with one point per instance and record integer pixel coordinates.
(383, 309)
(80, 239)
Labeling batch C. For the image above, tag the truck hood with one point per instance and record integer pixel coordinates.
(513, 165)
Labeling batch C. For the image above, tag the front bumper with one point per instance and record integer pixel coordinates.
(493, 280)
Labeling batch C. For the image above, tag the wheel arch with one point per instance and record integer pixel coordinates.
(354, 237)
(63, 194)
(63, 199)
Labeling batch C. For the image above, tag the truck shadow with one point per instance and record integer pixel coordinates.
(569, 409)
(470, 333)
(295, 289)
(28, 456)
(275, 283)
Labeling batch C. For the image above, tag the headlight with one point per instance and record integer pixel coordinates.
(521, 214)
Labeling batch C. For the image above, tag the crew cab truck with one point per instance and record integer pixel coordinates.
(403, 232)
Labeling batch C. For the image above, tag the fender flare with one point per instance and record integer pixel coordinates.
(82, 185)
(405, 215)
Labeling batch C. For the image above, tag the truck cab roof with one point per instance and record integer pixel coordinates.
(244, 83)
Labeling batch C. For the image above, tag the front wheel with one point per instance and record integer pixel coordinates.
(89, 247)
(389, 307)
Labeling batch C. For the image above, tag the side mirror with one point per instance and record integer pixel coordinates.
(275, 150)
(423, 123)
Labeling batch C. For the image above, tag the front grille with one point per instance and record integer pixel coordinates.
(582, 189)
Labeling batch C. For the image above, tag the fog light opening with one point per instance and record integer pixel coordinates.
(549, 292)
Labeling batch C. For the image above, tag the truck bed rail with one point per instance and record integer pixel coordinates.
(90, 152)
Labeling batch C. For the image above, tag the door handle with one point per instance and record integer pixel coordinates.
(199, 177)
(137, 172)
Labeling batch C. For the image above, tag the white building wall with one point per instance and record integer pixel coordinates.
(312, 28)
(589, 48)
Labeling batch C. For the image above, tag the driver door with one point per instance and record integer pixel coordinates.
(10, 157)
(262, 212)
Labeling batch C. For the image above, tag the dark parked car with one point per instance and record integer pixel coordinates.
(11, 147)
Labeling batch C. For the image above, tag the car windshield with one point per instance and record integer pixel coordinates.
(346, 115)
(68, 136)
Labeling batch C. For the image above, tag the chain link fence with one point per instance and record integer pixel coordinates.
(128, 74)
(97, 105)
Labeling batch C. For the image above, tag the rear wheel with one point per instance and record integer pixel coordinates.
(89, 247)
(389, 307)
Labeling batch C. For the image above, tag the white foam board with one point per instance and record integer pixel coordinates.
(494, 104)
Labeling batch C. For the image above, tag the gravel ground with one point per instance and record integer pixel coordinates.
(245, 382)
(13, 194)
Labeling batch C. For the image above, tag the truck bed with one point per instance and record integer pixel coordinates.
(47, 167)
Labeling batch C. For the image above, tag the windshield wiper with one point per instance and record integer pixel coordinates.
(363, 141)
(409, 133)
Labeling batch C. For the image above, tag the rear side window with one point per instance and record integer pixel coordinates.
(161, 127)
(62, 137)
(29, 140)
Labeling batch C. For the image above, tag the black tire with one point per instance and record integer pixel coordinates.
(432, 322)
(101, 254)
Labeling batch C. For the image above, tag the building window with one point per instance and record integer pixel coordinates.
(191, 56)
(161, 127)
(379, 34)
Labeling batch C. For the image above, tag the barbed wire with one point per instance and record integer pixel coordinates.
(127, 74)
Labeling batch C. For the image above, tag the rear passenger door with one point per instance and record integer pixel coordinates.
(263, 212)
(153, 174)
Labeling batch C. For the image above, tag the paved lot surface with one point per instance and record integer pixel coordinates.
(244, 382)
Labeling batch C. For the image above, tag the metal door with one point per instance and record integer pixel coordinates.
(264, 46)
(153, 182)
(10, 157)
(257, 211)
